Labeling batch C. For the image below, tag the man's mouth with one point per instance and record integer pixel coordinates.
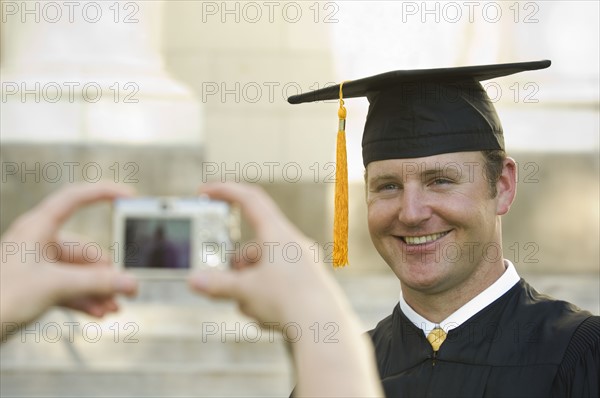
(420, 240)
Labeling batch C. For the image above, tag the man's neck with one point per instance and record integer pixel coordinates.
(438, 306)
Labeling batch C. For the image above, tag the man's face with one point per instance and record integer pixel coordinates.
(433, 219)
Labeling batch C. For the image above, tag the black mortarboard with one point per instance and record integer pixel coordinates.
(416, 113)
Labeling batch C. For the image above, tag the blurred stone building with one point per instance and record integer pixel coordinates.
(165, 96)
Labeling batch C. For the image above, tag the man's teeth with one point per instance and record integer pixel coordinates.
(417, 240)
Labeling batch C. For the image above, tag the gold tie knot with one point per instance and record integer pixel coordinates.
(436, 337)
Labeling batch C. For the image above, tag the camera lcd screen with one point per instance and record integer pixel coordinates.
(158, 243)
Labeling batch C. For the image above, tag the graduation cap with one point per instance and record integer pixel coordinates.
(415, 113)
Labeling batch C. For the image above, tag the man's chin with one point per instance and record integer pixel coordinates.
(423, 279)
(429, 286)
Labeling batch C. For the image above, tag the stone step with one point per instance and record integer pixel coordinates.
(149, 334)
(144, 380)
(165, 350)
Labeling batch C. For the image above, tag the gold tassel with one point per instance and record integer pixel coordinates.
(340, 220)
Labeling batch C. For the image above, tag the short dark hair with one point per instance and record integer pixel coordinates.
(494, 163)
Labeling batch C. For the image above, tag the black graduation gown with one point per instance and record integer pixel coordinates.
(522, 345)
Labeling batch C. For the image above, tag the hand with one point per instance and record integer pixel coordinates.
(266, 285)
(272, 289)
(62, 275)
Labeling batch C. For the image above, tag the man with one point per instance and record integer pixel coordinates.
(438, 181)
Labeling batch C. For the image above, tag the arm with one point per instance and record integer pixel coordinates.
(275, 290)
(29, 285)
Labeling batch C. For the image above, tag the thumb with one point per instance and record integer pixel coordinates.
(216, 284)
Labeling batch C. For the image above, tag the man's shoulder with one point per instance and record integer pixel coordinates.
(533, 327)
(385, 325)
(580, 365)
(586, 337)
(537, 306)
(572, 334)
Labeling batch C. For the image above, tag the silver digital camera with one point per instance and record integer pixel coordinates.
(170, 236)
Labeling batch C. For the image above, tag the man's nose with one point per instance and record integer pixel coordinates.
(414, 207)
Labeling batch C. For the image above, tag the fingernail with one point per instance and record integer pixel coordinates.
(200, 281)
(126, 284)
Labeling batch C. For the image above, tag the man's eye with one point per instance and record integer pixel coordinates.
(388, 187)
(441, 181)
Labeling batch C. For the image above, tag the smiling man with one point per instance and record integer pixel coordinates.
(438, 181)
(437, 227)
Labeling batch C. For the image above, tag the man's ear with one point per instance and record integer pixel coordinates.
(506, 186)
(366, 177)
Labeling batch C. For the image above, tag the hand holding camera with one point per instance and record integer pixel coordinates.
(271, 288)
(276, 290)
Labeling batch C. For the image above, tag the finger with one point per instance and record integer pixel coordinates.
(99, 308)
(74, 250)
(106, 305)
(216, 284)
(248, 257)
(80, 282)
(92, 305)
(258, 208)
(53, 211)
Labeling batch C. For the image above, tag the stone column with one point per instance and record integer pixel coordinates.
(89, 72)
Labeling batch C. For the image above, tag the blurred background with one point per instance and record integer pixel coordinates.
(164, 96)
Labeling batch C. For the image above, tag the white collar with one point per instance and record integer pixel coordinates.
(509, 278)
